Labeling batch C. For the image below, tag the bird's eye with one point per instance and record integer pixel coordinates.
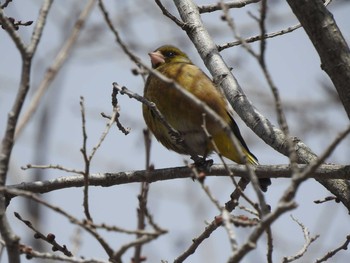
(170, 54)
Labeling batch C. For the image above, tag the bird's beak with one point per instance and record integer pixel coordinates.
(156, 58)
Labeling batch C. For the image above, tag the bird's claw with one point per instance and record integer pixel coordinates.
(202, 164)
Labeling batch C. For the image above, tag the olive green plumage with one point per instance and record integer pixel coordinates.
(184, 115)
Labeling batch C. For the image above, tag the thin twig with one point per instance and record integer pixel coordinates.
(84, 224)
(248, 210)
(86, 162)
(168, 14)
(139, 241)
(326, 199)
(175, 135)
(252, 176)
(309, 169)
(11, 30)
(229, 206)
(264, 224)
(52, 166)
(238, 147)
(49, 238)
(286, 202)
(200, 176)
(269, 238)
(330, 254)
(197, 241)
(18, 23)
(259, 37)
(55, 67)
(226, 218)
(4, 5)
(7, 143)
(116, 109)
(308, 241)
(76, 240)
(39, 27)
(143, 197)
(31, 253)
(103, 135)
(230, 4)
(127, 231)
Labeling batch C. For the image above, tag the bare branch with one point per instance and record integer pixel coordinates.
(263, 225)
(200, 177)
(55, 67)
(325, 171)
(330, 254)
(168, 14)
(254, 119)
(11, 30)
(286, 202)
(84, 224)
(324, 34)
(198, 240)
(143, 197)
(49, 238)
(261, 60)
(87, 162)
(116, 109)
(326, 199)
(128, 231)
(31, 253)
(269, 244)
(39, 27)
(230, 4)
(259, 37)
(315, 164)
(11, 240)
(52, 166)
(229, 229)
(308, 241)
(4, 5)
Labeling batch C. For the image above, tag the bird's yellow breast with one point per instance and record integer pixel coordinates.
(181, 113)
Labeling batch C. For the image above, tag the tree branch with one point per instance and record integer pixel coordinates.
(55, 67)
(250, 115)
(329, 43)
(8, 140)
(325, 171)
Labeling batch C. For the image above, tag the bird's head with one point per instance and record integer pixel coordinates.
(167, 54)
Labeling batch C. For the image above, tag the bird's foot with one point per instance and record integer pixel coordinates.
(202, 164)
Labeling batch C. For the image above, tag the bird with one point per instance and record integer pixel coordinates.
(185, 116)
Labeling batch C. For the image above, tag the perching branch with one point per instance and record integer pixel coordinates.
(325, 171)
(255, 120)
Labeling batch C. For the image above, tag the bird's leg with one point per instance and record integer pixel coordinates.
(202, 166)
(201, 163)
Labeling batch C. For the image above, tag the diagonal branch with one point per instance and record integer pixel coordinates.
(250, 115)
(55, 67)
(329, 43)
(9, 27)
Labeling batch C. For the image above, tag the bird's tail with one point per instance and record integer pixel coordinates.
(264, 182)
(228, 150)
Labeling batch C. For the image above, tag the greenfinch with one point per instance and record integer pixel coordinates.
(184, 116)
